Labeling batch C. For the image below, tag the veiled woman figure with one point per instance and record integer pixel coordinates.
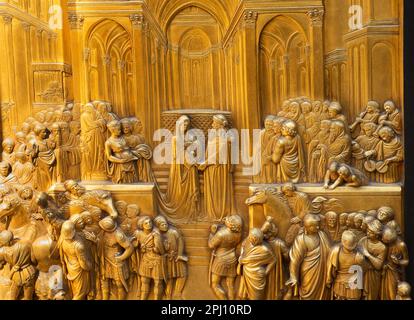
(181, 202)
(92, 144)
(140, 149)
(121, 164)
(218, 172)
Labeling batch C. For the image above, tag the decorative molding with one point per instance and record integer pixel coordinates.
(336, 56)
(316, 16)
(75, 21)
(121, 64)
(26, 25)
(138, 21)
(7, 18)
(249, 19)
(106, 59)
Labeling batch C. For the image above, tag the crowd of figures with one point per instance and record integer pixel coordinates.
(106, 250)
(307, 138)
(69, 143)
(92, 143)
(325, 255)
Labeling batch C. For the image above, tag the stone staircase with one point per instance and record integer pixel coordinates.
(196, 239)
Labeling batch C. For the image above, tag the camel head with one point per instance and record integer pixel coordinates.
(261, 196)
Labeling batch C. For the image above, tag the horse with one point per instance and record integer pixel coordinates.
(269, 201)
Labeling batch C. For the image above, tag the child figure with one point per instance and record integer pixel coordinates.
(129, 225)
(403, 291)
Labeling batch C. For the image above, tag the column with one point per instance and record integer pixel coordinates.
(250, 78)
(139, 25)
(78, 67)
(317, 55)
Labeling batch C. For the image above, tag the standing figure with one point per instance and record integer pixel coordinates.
(182, 200)
(218, 172)
(318, 153)
(223, 264)
(114, 250)
(121, 162)
(332, 227)
(391, 118)
(276, 279)
(44, 159)
(18, 255)
(370, 115)
(140, 149)
(92, 141)
(375, 253)
(77, 261)
(8, 153)
(256, 261)
(23, 169)
(396, 261)
(342, 260)
(267, 167)
(308, 261)
(288, 154)
(386, 216)
(152, 261)
(339, 146)
(389, 155)
(176, 259)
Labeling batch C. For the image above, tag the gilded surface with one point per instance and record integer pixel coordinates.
(177, 149)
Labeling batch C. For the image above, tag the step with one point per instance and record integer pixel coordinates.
(198, 251)
(196, 242)
(196, 233)
(198, 261)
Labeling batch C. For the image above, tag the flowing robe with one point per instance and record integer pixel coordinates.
(218, 179)
(24, 172)
(318, 157)
(121, 172)
(385, 150)
(267, 167)
(309, 267)
(291, 167)
(372, 275)
(254, 263)
(93, 145)
(393, 273)
(77, 265)
(44, 160)
(340, 149)
(181, 202)
(139, 147)
(395, 119)
(276, 279)
(365, 143)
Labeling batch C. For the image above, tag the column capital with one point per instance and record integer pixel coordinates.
(26, 25)
(76, 21)
(7, 18)
(138, 20)
(249, 19)
(316, 16)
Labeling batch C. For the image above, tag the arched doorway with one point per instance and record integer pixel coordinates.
(109, 65)
(284, 63)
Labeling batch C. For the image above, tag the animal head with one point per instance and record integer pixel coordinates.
(9, 206)
(262, 195)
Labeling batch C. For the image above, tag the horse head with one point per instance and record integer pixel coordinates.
(103, 200)
(269, 201)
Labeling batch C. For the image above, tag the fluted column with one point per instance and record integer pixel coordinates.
(317, 54)
(78, 66)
